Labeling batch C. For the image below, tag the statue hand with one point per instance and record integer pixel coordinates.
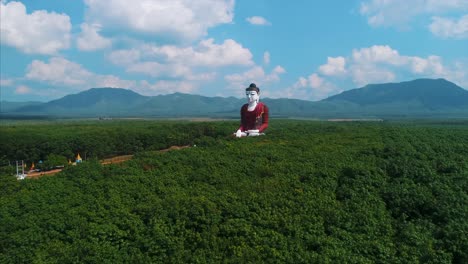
(253, 132)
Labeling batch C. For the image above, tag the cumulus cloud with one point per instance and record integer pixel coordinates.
(205, 54)
(58, 71)
(180, 19)
(165, 87)
(40, 32)
(379, 64)
(23, 89)
(62, 72)
(90, 40)
(258, 20)
(315, 81)
(210, 54)
(204, 76)
(314, 87)
(389, 13)
(450, 28)
(459, 74)
(375, 64)
(334, 66)
(275, 74)
(256, 74)
(70, 76)
(182, 62)
(111, 81)
(266, 58)
(124, 57)
(400, 12)
(432, 65)
(155, 69)
(6, 82)
(363, 74)
(377, 54)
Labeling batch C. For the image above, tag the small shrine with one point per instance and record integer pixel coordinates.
(78, 158)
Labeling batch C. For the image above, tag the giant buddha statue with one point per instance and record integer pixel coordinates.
(254, 114)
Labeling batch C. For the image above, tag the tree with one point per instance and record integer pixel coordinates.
(54, 160)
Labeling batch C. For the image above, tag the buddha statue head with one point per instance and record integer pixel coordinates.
(253, 94)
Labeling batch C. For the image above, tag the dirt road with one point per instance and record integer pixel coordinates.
(113, 160)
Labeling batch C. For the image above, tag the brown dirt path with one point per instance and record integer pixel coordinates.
(42, 173)
(113, 160)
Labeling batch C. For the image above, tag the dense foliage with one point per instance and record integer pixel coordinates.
(32, 142)
(308, 192)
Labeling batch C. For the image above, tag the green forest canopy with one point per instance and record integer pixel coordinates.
(307, 192)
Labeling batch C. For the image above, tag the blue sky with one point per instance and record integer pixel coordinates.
(291, 49)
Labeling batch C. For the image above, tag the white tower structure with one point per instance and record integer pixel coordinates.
(20, 176)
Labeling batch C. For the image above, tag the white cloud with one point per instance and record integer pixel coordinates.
(23, 89)
(185, 63)
(279, 70)
(181, 19)
(90, 40)
(266, 58)
(72, 77)
(165, 87)
(363, 74)
(40, 32)
(459, 74)
(209, 54)
(205, 54)
(155, 69)
(58, 71)
(6, 82)
(334, 66)
(258, 20)
(375, 64)
(256, 75)
(450, 28)
(389, 13)
(315, 81)
(206, 76)
(444, 5)
(321, 88)
(370, 65)
(62, 72)
(400, 12)
(378, 64)
(313, 87)
(431, 65)
(111, 81)
(377, 54)
(274, 76)
(365, 69)
(124, 57)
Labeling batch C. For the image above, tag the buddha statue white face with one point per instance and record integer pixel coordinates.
(252, 97)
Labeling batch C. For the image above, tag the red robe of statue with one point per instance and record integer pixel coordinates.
(256, 119)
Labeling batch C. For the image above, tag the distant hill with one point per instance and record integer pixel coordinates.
(98, 96)
(6, 106)
(418, 98)
(180, 104)
(428, 93)
(95, 101)
(125, 103)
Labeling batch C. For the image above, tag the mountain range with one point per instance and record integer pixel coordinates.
(417, 98)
